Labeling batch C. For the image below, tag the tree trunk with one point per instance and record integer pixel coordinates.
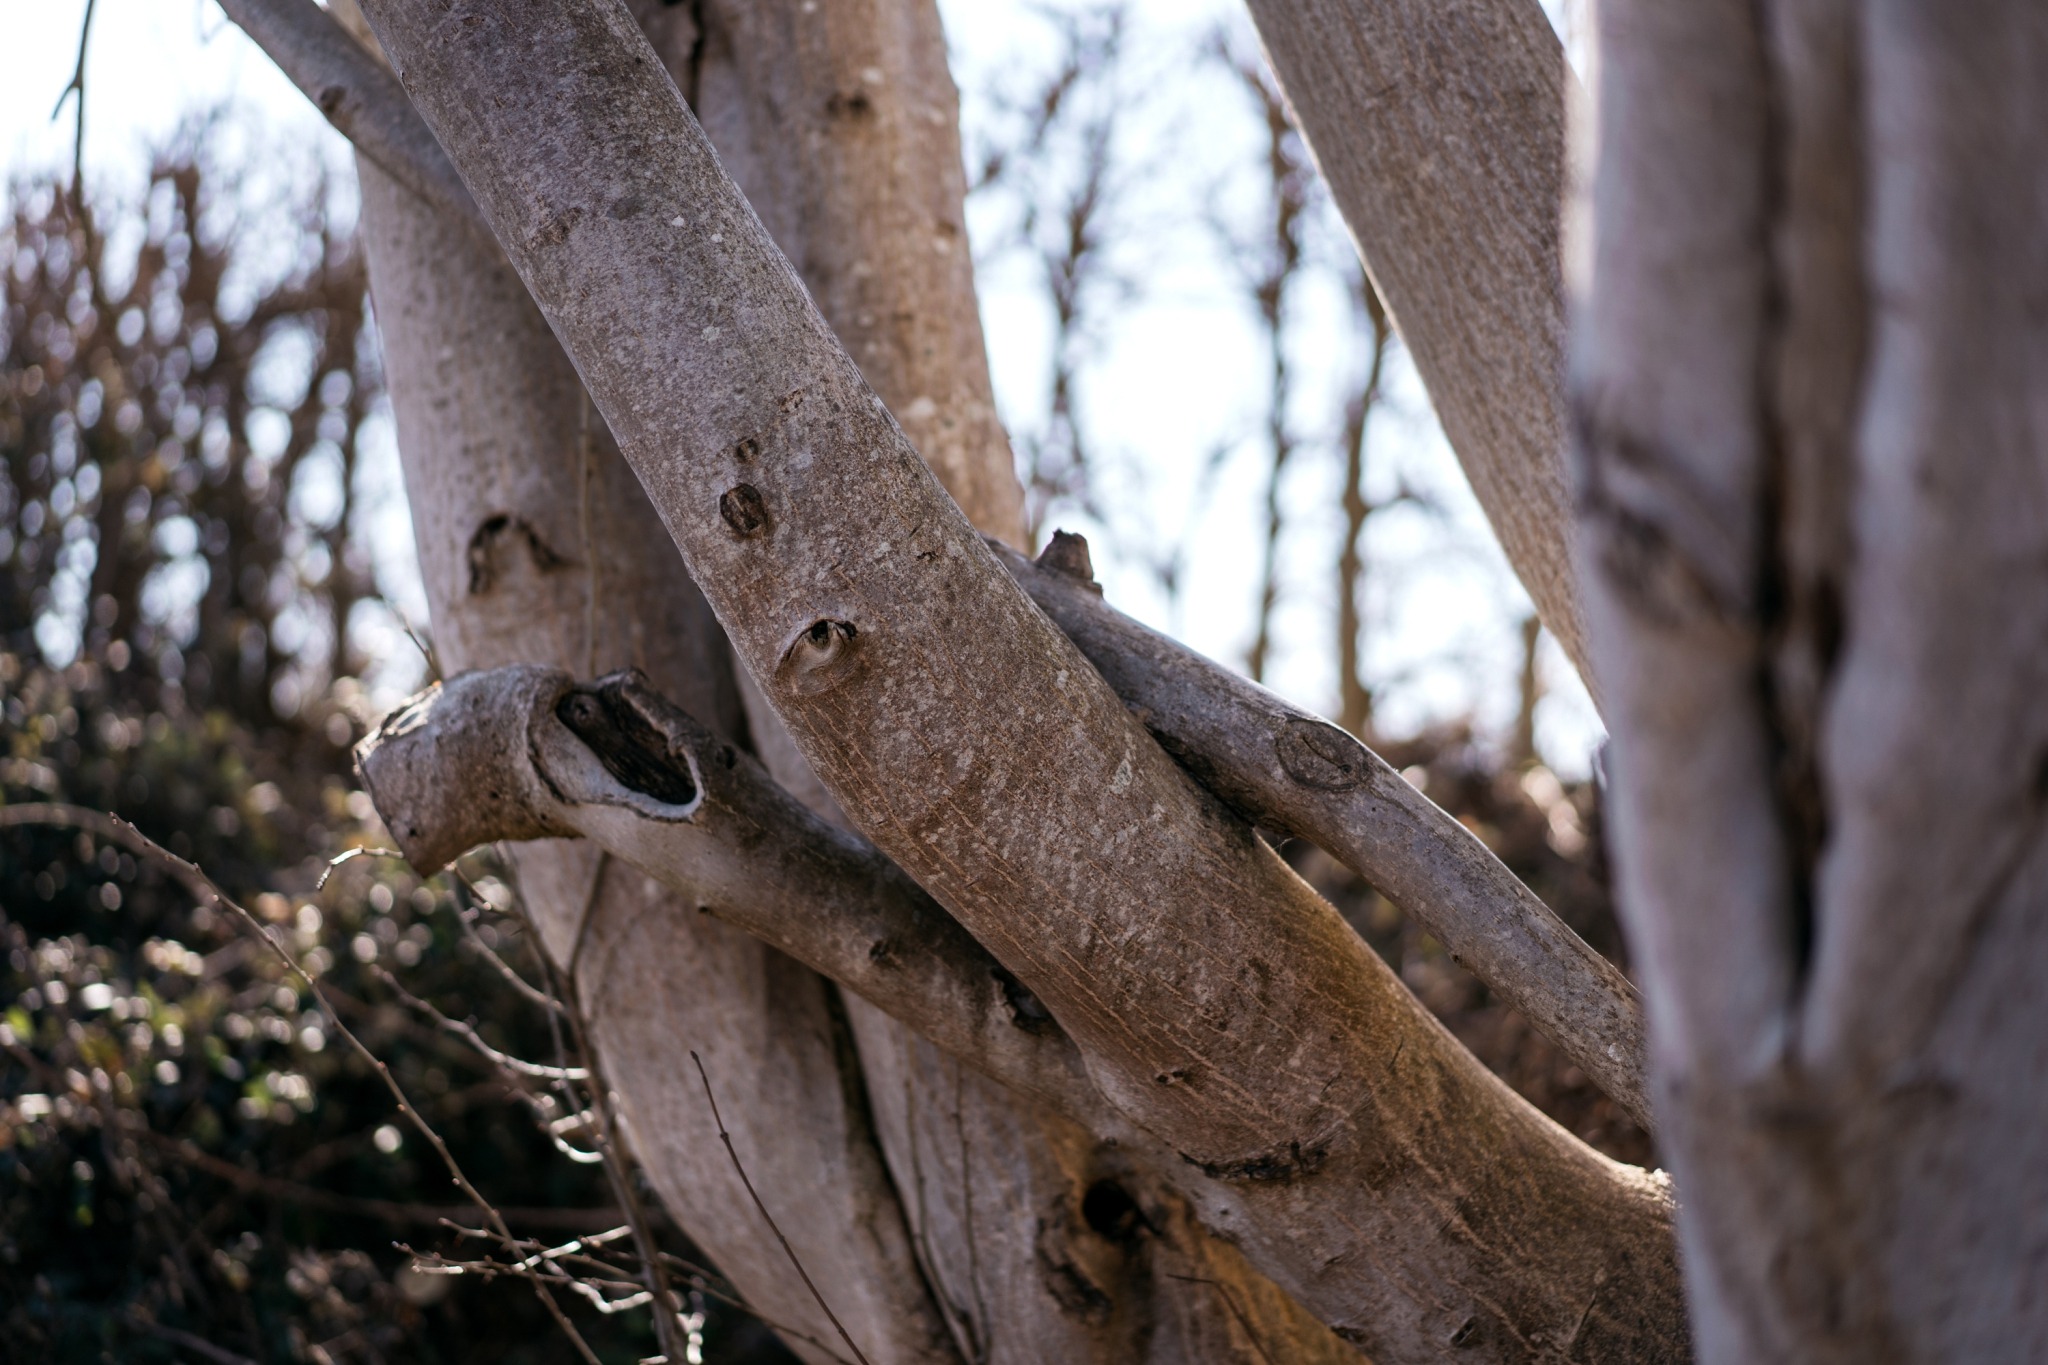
(1364, 1159)
(1809, 389)
(843, 131)
(536, 543)
(841, 125)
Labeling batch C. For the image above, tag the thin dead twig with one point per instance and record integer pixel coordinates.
(76, 87)
(768, 1217)
(203, 888)
(1230, 1302)
(196, 1344)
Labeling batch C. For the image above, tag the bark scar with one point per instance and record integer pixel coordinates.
(483, 548)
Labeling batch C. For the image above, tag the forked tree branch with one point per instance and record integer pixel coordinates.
(522, 752)
(1293, 772)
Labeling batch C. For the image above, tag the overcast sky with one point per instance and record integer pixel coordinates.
(1176, 378)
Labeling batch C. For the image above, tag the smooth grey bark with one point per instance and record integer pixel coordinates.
(1218, 726)
(1381, 1173)
(1808, 377)
(501, 467)
(979, 1172)
(1440, 127)
(354, 92)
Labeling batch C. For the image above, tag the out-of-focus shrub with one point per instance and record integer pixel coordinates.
(190, 1159)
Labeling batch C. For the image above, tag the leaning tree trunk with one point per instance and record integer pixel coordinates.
(536, 544)
(1810, 387)
(533, 537)
(841, 126)
(1440, 127)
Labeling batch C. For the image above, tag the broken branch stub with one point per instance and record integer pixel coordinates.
(445, 771)
(615, 762)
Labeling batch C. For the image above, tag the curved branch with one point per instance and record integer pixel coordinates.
(522, 752)
(359, 97)
(1282, 767)
(1291, 771)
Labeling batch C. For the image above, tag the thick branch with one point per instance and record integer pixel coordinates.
(617, 763)
(1297, 774)
(358, 96)
(1439, 125)
(1283, 767)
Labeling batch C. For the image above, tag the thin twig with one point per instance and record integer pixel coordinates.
(383, 1210)
(467, 1032)
(668, 1314)
(768, 1217)
(195, 1344)
(76, 86)
(585, 459)
(349, 854)
(526, 989)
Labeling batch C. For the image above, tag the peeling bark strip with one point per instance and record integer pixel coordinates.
(1292, 772)
(1439, 125)
(1241, 1025)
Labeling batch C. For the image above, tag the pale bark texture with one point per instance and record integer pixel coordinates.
(1439, 125)
(1298, 775)
(501, 468)
(1809, 372)
(1372, 1166)
(1243, 743)
(616, 763)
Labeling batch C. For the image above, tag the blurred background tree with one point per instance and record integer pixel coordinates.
(197, 619)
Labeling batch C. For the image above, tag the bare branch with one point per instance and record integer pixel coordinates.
(361, 99)
(209, 894)
(1291, 771)
(1463, 246)
(768, 1217)
(1439, 873)
(1221, 1005)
